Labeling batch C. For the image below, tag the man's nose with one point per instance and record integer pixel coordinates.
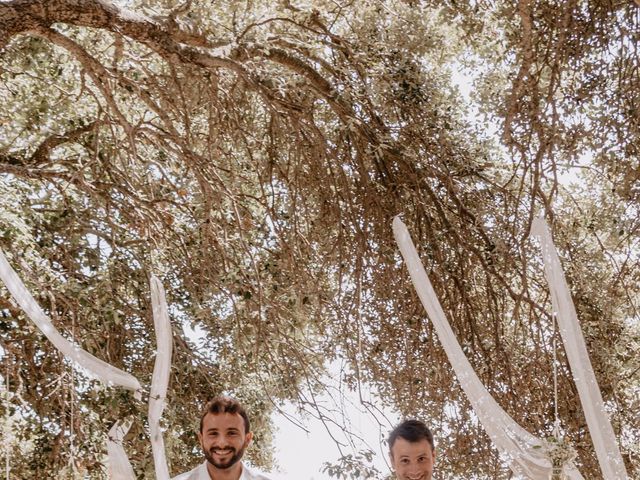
(414, 472)
(221, 441)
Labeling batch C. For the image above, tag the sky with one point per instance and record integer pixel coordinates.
(301, 455)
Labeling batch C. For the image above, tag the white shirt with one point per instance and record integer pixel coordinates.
(201, 473)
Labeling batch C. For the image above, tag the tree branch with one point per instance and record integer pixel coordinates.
(41, 154)
(25, 16)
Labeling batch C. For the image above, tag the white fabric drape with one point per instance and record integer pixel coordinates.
(160, 379)
(524, 452)
(101, 370)
(118, 462)
(602, 434)
(119, 465)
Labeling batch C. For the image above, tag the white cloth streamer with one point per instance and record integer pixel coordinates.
(602, 434)
(119, 466)
(524, 452)
(160, 379)
(101, 370)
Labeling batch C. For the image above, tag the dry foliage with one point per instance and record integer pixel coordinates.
(253, 156)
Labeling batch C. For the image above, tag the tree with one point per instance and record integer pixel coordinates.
(253, 157)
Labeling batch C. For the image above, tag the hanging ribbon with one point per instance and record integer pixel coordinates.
(119, 465)
(99, 369)
(160, 379)
(604, 440)
(524, 452)
(118, 462)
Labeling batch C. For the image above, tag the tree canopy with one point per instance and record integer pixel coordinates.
(252, 155)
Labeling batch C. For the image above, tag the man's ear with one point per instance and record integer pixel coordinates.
(247, 439)
(200, 438)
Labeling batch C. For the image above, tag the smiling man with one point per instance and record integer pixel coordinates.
(411, 451)
(224, 435)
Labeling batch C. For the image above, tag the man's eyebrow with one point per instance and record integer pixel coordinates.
(420, 454)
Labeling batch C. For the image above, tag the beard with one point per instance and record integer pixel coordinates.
(235, 458)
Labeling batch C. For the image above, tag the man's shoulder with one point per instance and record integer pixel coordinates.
(182, 476)
(195, 474)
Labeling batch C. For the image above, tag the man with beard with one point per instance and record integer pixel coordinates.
(224, 435)
(411, 451)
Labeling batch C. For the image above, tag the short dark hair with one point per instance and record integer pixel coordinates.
(224, 404)
(412, 431)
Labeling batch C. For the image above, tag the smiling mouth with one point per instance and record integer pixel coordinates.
(222, 451)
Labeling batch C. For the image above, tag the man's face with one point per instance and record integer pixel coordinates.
(412, 460)
(223, 439)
